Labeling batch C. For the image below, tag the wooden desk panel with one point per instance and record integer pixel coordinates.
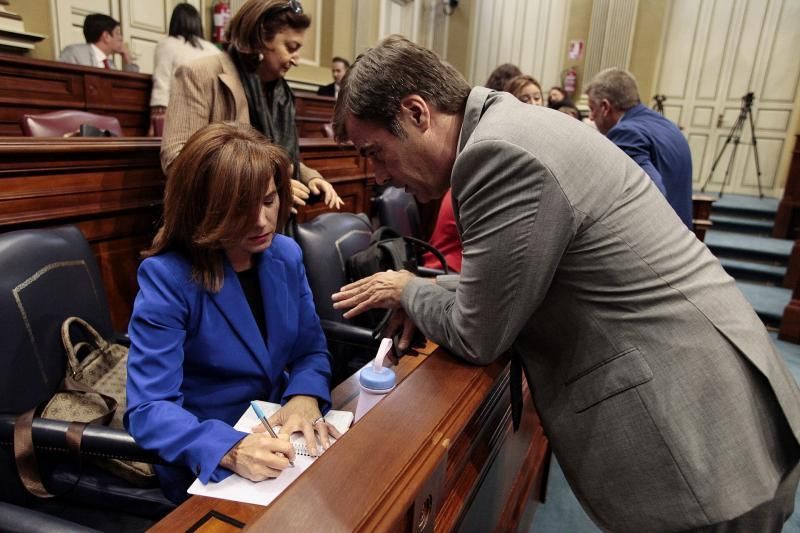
(112, 189)
(37, 86)
(418, 457)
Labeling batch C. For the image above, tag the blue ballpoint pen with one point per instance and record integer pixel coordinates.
(261, 416)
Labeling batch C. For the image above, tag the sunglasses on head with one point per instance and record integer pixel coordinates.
(295, 6)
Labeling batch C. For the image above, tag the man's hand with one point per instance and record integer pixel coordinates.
(258, 457)
(382, 290)
(400, 321)
(321, 186)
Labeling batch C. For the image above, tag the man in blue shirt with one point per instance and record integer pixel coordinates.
(655, 143)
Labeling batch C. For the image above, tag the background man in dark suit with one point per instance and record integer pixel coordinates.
(654, 142)
(339, 66)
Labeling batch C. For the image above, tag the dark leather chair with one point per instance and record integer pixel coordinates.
(327, 241)
(23, 520)
(398, 210)
(60, 123)
(49, 275)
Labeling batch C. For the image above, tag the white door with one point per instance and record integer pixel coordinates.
(715, 52)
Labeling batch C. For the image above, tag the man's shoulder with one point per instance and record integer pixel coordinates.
(76, 51)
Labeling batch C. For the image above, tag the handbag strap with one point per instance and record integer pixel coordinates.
(72, 348)
(24, 450)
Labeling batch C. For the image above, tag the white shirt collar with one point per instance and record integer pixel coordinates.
(99, 55)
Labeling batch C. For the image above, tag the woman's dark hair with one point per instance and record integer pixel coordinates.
(185, 22)
(501, 75)
(214, 190)
(257, 22)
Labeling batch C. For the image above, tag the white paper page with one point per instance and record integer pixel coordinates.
(263, 492)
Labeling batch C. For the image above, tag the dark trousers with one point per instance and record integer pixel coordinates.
(768, 517)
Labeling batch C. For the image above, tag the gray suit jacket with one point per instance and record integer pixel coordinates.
(655, 381)
(82, 54)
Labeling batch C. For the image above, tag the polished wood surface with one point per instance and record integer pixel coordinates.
(787, 219)
(112, 189)
(701, 214)
(33, 86)
(416, 462)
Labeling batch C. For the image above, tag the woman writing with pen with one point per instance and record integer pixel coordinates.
(224, 315)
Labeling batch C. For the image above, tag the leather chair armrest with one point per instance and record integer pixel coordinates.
(341, 332)
(15, 518)
(98, 441)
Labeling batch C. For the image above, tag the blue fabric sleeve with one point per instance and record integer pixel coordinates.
(637, 146)
(155, 416)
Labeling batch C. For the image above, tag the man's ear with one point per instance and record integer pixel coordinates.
(415, 111)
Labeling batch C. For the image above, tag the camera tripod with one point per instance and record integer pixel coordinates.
(746, 113)
(658, 106)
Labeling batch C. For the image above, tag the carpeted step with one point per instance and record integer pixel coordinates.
(736, 222)
(768, 302)
(746, 206)
(752, 271)
(738, 245)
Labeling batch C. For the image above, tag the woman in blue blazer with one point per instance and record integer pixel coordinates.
(224, 315)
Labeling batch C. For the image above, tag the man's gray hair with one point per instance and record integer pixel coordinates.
(615, 85)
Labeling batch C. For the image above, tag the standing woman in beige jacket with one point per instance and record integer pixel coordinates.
(246, 84)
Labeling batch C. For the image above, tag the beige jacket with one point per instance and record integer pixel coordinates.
(205, 91)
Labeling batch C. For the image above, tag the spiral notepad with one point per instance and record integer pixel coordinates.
(262, 493)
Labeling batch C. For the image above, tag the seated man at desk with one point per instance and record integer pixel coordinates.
(224, 315)
(103, 37)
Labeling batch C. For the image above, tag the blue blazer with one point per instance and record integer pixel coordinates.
(659, 147)
(197, 359)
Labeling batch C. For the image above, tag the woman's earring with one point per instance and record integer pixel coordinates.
(260, 57)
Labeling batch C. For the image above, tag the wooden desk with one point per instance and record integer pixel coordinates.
(38, 86)
(419, 461)
(112, 189)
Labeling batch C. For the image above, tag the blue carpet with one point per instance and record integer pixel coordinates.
(563, 513)
(768, 302)
(753, 244)
(747, 203)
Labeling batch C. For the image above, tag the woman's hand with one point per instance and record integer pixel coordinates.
(300, 414)
(300, 194)
(258, 456)
(320, 185)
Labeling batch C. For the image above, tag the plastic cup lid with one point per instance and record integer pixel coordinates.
(383, 379)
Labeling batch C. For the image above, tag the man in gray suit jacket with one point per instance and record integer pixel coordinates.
(657, 385)
(103, 39)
